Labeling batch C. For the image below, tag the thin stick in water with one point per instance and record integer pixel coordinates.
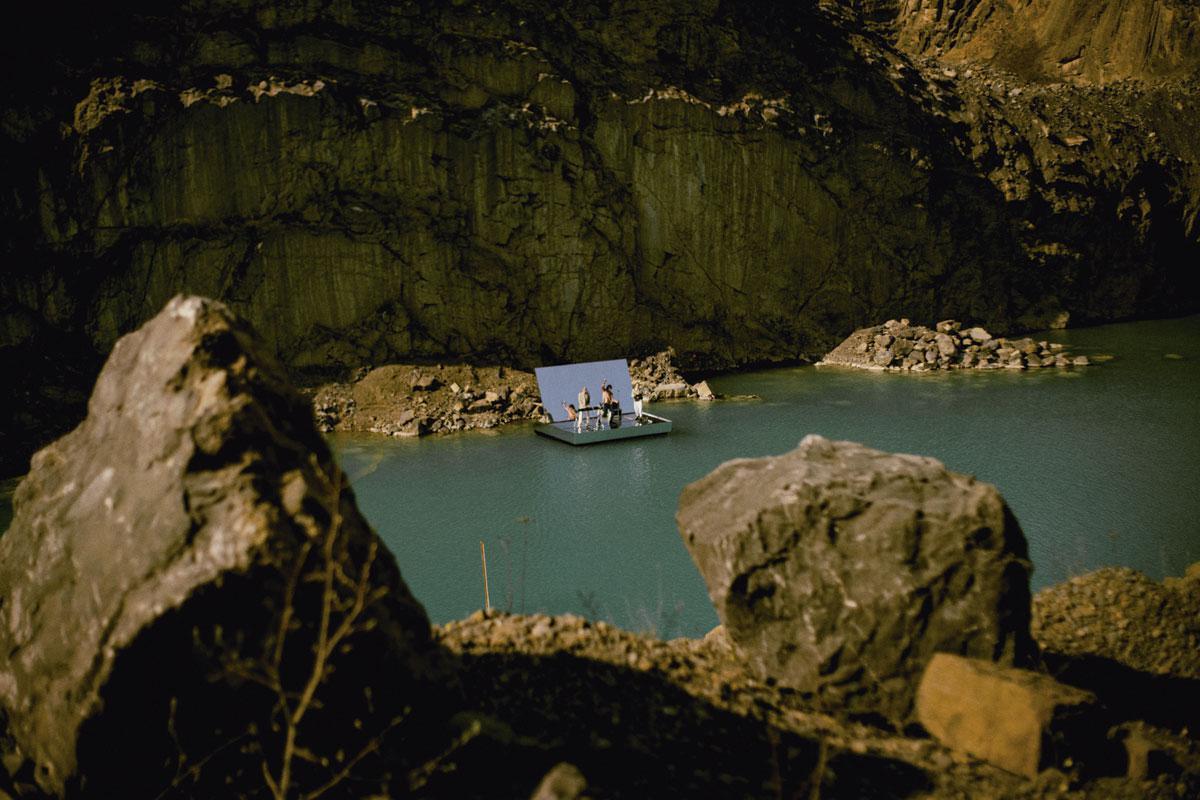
(487, 598)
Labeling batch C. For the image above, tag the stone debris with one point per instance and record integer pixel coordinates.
(1097, 613)
(657, 378)
(697, 714)
(414, 400)
(898, 345)
(838, 570)
(1019, 720)
(652, 718)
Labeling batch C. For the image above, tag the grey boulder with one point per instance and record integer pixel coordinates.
(190, 599)
(839, 570)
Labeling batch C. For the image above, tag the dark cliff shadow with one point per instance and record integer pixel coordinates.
(635, 734)
(1130, 694)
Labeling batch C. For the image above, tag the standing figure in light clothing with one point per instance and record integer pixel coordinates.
(585, 400)
(637, 406)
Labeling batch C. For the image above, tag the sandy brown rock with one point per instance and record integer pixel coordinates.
(1016, 719)
(1096, 41)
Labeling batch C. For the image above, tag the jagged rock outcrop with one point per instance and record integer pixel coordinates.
(530, 182)
(1096, 41)
(187, 574)
(838, 570)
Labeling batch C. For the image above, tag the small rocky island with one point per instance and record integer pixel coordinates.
(898, 345)
(420, 399)
(188, 573)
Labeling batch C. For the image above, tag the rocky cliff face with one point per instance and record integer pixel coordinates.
(1096, 41)
(530, 182)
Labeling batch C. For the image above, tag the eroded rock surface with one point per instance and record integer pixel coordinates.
(839, 570)
(183, 570)
(1097, 41)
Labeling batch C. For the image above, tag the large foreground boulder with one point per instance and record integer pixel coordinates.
(189, 597)
(840, 570)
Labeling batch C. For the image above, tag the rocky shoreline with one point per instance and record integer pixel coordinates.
(692, 683)
(898, 345)
(224, 610)
(418, 400)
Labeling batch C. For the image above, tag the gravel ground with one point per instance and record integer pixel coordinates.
(642, 717)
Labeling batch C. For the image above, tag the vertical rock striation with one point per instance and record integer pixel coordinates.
(527, 182)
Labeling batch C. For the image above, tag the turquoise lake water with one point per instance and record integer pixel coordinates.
(1100, 466)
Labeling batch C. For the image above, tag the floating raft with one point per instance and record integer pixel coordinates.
(630, 428)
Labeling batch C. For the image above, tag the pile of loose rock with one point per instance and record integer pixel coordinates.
(900, 345)
(657, 378)
(1095, 613)
(415, 399)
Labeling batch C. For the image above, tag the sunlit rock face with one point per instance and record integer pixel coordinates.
(1095, 41)
(183, 570)
(533, 182)
(838, 570)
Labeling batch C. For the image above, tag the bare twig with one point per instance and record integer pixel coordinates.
(344, 599)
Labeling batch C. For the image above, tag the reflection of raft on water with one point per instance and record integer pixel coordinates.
(628, 428)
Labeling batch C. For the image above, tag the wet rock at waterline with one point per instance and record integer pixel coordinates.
(181, 567)
(898, 345)
(839, 570)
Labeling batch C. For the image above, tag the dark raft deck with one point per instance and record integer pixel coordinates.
(631, 427)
